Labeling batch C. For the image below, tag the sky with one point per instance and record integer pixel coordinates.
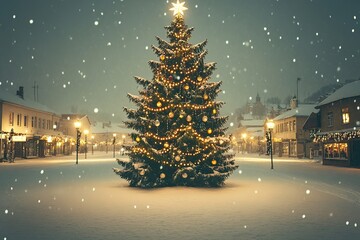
(83, 54)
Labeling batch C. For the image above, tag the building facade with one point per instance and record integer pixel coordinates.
(339, 121)
(34, 128)
(289, 137)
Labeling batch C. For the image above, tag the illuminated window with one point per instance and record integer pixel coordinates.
(345, 115)
(336, 151)
(330, 118)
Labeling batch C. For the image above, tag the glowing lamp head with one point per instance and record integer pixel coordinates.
(86, 132)
(270, 125)
(77, 124)
(244, 136)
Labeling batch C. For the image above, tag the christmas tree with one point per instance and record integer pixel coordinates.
(179, 138)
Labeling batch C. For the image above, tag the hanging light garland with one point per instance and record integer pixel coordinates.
(337, 136)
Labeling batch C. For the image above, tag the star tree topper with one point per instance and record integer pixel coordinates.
(178, 8)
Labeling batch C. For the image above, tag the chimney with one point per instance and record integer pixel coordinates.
(20, 92)
(293, 103)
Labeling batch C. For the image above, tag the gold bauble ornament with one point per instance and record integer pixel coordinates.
(158, 104)
(177, 158)
(137, 139)
(157, 123)
(209, 131)
(188, 118)
(162, 57)
(204, 118)
(184, 175)
(171, 114)
(162, 175)
(213, 162)
(214, 111)
(166, 145)
(199, 78)
(186, 87)
(206, 97)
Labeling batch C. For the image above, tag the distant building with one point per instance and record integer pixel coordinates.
(35, 126)
(249, 136)
(288, 135)
(108, 135)
(339, 124)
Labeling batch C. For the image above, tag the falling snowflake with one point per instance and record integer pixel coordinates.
(96, 23)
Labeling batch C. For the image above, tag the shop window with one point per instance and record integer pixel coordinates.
(345, 115)
(285, 149)
(338, 151)
(293, 148)
(330, 118)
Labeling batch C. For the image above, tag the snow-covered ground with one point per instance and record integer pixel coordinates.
(56, 199)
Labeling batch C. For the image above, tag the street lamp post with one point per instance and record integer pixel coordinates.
(92, 144)
(270, 126)
(55, 142)
(114, 141)
(78, 135)
(86, 132)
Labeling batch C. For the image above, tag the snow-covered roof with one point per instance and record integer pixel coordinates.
(100, 127)
(6, 96)
(254, 129)
(252, 123)
(302, 110)
(349, 90)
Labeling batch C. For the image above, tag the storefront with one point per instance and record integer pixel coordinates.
(340, 148)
